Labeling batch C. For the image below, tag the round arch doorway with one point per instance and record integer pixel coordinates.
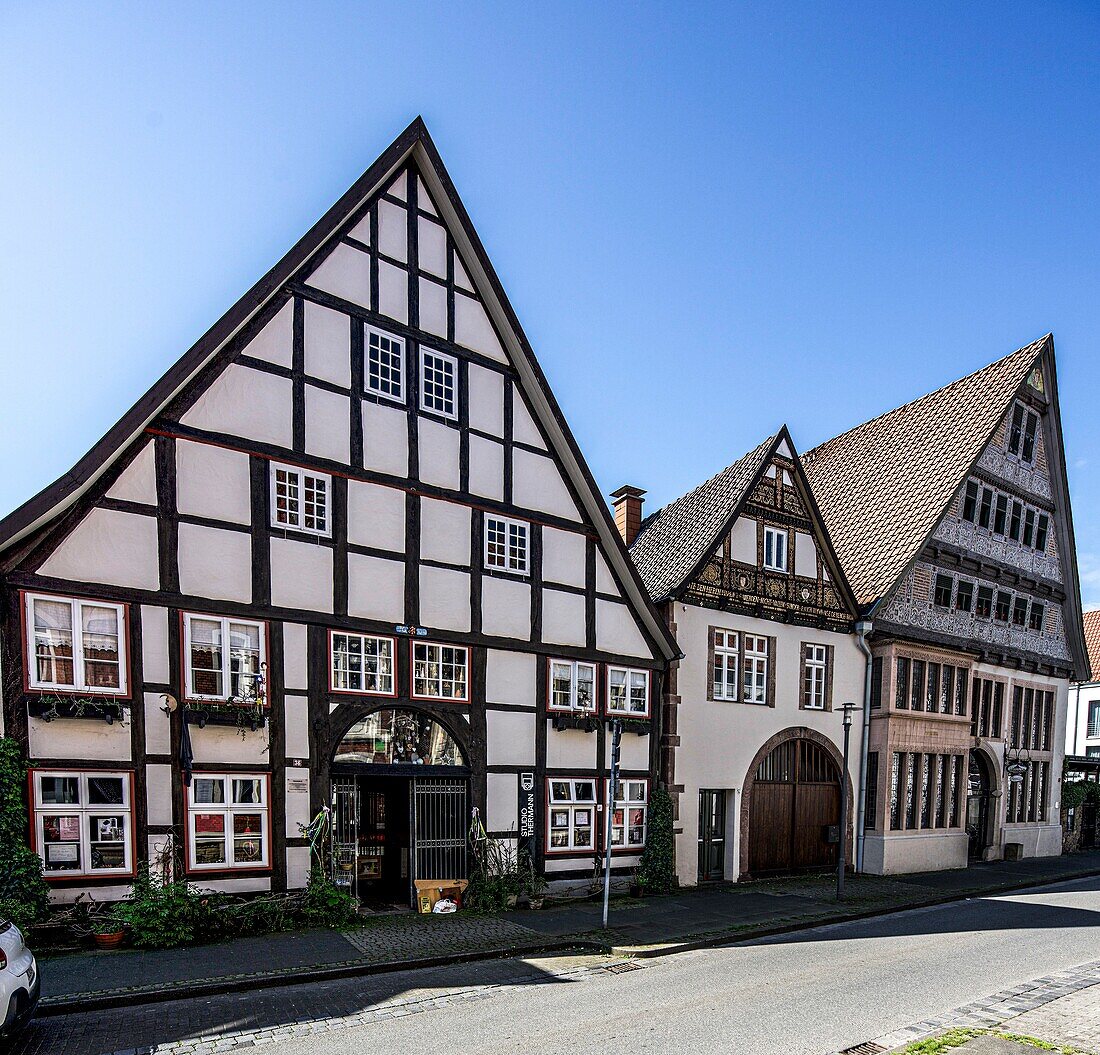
(979, 797)
(400, 786)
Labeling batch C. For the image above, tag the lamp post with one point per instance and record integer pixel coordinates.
(848, 708)
(616, 738)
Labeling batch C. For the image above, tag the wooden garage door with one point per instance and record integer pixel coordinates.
(795, 796)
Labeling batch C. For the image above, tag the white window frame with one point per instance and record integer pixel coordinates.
(386, 657)
(816, 664)
(78, 657)
(393, 397)
(628, 786)
(636, 683)
(424, 354)
(772, 536)
(755, 670)
(438, 679)
(228, 809)
(574, 666)
(84, 811)
(298, 522)
(572, 805)
(516, 562)
(726, 655)
(226, 670)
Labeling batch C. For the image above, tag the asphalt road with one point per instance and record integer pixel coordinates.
(815, 992)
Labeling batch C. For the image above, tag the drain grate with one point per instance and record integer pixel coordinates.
(629, 965)
(868, 1047)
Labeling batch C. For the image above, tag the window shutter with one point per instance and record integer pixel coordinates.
(771, 672)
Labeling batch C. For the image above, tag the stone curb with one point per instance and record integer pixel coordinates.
(182, 990)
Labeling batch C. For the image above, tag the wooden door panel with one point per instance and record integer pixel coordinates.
(816, 806)
(770, 827)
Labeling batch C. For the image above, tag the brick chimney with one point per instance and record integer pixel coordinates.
(628, 511)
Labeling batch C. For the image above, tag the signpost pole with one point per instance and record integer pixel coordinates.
(848, 708)
(616, 737)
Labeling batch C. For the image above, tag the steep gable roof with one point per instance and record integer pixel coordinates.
(416, 144)
(1091, 622)
(884, 485)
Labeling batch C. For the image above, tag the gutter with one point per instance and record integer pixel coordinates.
(862, 629)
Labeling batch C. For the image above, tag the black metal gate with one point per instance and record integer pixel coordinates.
(439, 827)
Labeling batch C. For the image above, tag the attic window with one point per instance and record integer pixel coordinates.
(385, 365)
(438, 383)
(775, 549)
(299, 499)
(1022, 433)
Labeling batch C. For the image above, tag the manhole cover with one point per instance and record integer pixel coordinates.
(629, 965)
(867, 1048)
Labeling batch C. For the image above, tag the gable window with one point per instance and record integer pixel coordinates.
(984, 608)
(628, 819)
(299, 499)
(506, 544)
(1015, 520)
(224, 657)
(438, 383)
(227, 821)
(1022, 433)
(775, 549)
(1003, 606)
(986, 508)
(942, 595)
(385, 373)
(964, 596)
(1000, 515)
(82, 822)
(756, 669)
(1035, 617)
(724, 667)
(440, 671)
(75, 645)
(1029, 527)
(970, 501)
(572, 686)
(815, 677)
(1019, 611)
(362, 663)
(1041, 531)
(572, 814)
(628, 691)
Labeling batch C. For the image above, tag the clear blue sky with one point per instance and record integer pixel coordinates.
(711, 218)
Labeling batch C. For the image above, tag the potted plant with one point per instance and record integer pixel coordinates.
(534, 885)
(107, 932)
(637, 889)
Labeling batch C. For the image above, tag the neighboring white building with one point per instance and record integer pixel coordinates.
(744, 572)
(1083, 721)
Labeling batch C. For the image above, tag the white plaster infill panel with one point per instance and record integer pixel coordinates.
(510, 738)
(223, 743)
(569, 748)
(376, 516)
(328, 424)
(296, 718)
(510, 677)
(439, 454)
(502, 800)
(433, 307)
(158, 793)
(297, 867)
(154, 644)
(431, 247)
(605, 581)
(393, 239)
(212, 482)
(158, 725)
(563, 621)
(109, 546)
(80, 739)
(506, 608)
(563, 556)
(538, 484)
(376, 588)
(617, 631)
(445, 599)
(327, 343)
(743, 540)
(385, 439)
(445, 532)
(473, 329)
(301, 575)
(295, 657)
(215, 563)
(486, 468)
(297, 801)
(138, 481)
(345, 273)
(805, 555)
(393, 291)
(524, 429)
(275, 342)
(247, 403)
(486, 400)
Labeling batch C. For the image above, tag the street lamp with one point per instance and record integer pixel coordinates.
(848, 708)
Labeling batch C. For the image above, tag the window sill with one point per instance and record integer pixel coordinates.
(588, 721)
(640, 725)
(203, 713)
(51, 706)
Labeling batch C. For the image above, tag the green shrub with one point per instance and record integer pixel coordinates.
(24, 896)
(1075, 792)
(657, 869)
(325, 905)
(164, 915)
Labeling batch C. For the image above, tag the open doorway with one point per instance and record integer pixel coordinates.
(979, 795)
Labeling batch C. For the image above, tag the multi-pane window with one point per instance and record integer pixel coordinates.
(1035, 616)
(227, 821)
(1093, 728)
(299, 499)
(440, 671)
(1027, 793)
(923, 685)
(1004, 515)
(986, 707)
(1003, 606)
(815, 670)
(756, 669)
(628, 819)
(506, 544)
(1031, 730)
(870, 801)
(1032, 719)
(970, 501)
(775, 549)
(724, 680)
(385, 373)
(572, 814)
(572, 686)
(627, 691)
(1042, 529)
(876, 683)
(438, 383)
(1000, 515)
(362, 663)
(964, 596)
(1015, 521)
(1022, 433)
(1019, 611)
(75, 645)
(82, 823)
(224, 658)
(924, 791)
(942, 595)
(984, 609)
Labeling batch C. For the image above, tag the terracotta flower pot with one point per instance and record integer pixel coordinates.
(110, 941)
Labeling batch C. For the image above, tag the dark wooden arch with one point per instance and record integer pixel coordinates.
(782, 737)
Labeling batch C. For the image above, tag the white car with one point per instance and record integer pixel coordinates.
(19, 983)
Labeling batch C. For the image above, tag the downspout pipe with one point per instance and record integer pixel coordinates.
(862, 629)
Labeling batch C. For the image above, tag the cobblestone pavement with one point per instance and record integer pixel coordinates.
(1062, 1008)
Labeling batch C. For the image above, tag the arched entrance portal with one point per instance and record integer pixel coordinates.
(794, 809)
(399, 796)
(979, 796)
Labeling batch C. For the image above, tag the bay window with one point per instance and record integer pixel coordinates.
(571, 814)
(628, 692)
(83, 822)
(572, 686)
(75, 645)
(224, 657)
(227, 821)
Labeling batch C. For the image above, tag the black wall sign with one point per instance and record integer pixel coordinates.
(527, 815)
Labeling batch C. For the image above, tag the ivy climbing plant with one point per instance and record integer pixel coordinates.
(24, 896)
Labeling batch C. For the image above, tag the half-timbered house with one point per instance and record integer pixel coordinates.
(951, 518)
(752, 746)
(344, 553)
